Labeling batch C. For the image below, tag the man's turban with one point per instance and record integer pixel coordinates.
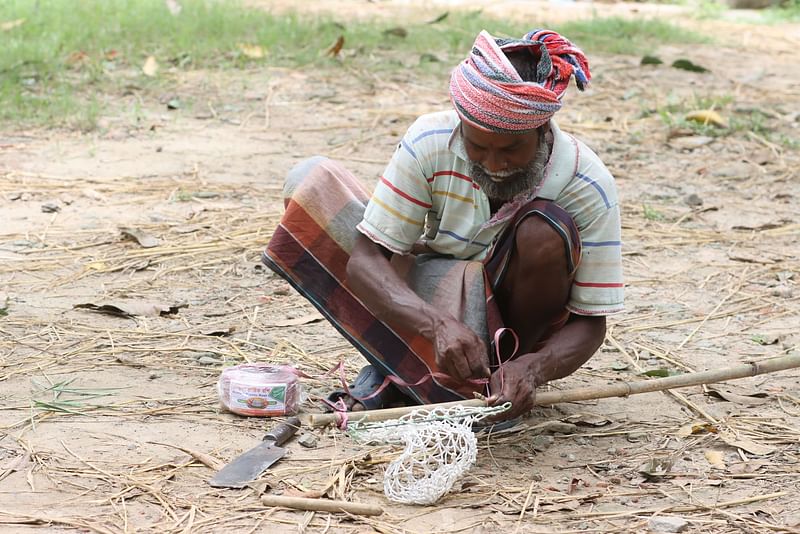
(488, 92)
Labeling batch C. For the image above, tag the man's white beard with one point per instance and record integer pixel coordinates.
(515, 181)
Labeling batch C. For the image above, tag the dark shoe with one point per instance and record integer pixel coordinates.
(368, 381)
(483, 427)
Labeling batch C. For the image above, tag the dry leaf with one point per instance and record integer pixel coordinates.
(695, 428)
(656, 467)
(205, 459)
(440, 18)
(125, 359)
(562, 506)
(297, 321)
(150, 67)
(765, 339)
(685, 64)
(715, 458)
(135, 266)
(682, 482)
(706, 116)
(747, 445)
(174, 7)
(252, 51)
(11, 24)
(19, 463)
(189, 228)
(552, 427)
(398, 31)
(77, 58)
(132, 308)
(336, 47)
(220, 333)
(143, 238)
(749, 467)
(97, 265)
(588, 419)
(259, 486)
(574, 484)
(306, 494)
(725, 393)
(746, 257)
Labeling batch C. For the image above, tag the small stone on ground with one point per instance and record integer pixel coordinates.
(667, 523)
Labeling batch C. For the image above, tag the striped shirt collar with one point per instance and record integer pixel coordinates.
(560, 168)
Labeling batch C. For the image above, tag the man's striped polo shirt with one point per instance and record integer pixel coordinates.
(426, 194)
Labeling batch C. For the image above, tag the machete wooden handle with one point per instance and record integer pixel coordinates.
(281, 433)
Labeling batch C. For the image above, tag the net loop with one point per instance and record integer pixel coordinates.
(439, 446)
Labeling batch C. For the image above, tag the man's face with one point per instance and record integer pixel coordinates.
(503, 165)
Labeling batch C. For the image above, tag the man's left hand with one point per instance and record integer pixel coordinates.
(514, 382)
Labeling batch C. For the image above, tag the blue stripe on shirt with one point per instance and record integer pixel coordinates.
(601, 243)
(596, 186)
(423, 135)
(408, 148)
(464, 239)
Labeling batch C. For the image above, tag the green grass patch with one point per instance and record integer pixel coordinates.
(616, 35)
(710, 9)
(739, 121)
(673, 113)
(782, 11)
(66, 398)
(652, 214)
(62, 61)
(788, 11)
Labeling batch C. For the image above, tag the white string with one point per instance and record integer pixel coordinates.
(439, 447)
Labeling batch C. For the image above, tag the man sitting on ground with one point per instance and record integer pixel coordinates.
(488, 256)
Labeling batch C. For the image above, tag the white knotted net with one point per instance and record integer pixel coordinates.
(439, 446)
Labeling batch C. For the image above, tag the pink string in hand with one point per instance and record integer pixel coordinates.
(500, 366)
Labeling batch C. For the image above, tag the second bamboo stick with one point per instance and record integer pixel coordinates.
(546, 398)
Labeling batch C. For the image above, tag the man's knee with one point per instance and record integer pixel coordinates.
(299, 172)
(541, 249)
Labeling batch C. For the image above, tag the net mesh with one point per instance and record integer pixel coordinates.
(439, 446)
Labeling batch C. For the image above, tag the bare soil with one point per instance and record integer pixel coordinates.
(711, 262)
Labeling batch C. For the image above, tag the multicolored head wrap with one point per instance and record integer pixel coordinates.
(488, 92)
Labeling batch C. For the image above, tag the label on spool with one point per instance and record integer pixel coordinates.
(261, 399)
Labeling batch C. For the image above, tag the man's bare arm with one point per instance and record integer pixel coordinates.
(562, 355)
(459, 351)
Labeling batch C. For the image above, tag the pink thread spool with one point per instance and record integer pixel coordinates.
(259, 390)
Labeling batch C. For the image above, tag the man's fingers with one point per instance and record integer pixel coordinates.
(447, 365)
(462, 366)
(455, 364)
(478, 360)
(494, 385)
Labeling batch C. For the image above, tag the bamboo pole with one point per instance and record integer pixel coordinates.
(546, 398)
(321, 505)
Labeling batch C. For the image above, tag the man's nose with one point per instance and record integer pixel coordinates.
(494, 162)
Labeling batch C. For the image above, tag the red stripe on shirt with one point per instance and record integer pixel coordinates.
(457, 175)
(595, 284)
(406, 196)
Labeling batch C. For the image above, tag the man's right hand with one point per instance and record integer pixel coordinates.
(460, 353)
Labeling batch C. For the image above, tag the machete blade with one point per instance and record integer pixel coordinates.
(248, 466)
(251, 464)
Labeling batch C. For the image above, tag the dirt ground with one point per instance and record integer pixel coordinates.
(104, 420)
